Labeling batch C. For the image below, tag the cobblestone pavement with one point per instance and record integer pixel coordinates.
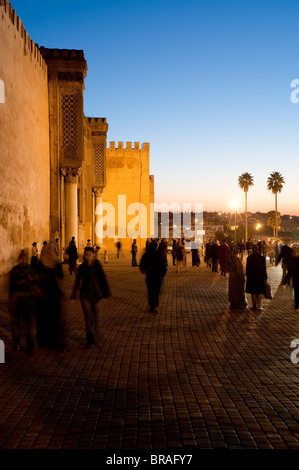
(192, 375)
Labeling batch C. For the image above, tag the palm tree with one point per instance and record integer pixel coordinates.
(273, 218)
(245, 180)
(275, 183)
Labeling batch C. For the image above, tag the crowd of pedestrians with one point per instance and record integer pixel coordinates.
(35, 293)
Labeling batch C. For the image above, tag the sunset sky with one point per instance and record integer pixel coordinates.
(206, 82)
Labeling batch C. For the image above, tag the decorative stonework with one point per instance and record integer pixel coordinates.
(71, 76)
(71, 175)
(69, 108)
(98, 134)
(98, 192)
(98, 162)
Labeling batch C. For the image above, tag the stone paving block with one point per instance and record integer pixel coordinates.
(195, 374)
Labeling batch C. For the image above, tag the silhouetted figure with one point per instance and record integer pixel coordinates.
(73, 256)
(241, 249)
(57, 247)
(208, 257)
(22, 302)
(195, 254)
(180, 254)
(134, 250)
(249, 246)
(34, 255)
(93, 285)
(223, 252)
(214, 256)
(153, 265)
(162, 248)
(285, 256)
(50, 324)
(118, 248)
(256, 274)
(236, 284)
(43, 247)
(97, 250)
(147, 244)
(264, 249)
(276, 252)
(174, 245)
(294, 273)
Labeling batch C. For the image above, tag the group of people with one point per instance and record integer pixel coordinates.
(254, 279)
(34, 300)
(35, 297)
(35, 292)
(72, 254)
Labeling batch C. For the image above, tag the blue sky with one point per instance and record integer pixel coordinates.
(206, 82)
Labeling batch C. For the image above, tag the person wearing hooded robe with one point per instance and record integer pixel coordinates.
(256, 274)
(50, 324)
(236, 283)
(223, 252)
(153, 265)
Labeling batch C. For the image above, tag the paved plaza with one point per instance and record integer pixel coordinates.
(195, 374)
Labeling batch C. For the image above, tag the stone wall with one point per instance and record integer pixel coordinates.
(24, 141)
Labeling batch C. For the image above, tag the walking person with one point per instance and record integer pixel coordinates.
(73, 256)
(223, 252)
(236, 283)
(180, 254)
(134, 250)
(22, 303)
(118, 248)
(163, 246)
(34, 255)
(285, 256)
(94, 287)
(97, 252)
(249, 247)
(195, 254)
(45, 244)
(208, 258)
(57, 247)
(153, 265)
(241, 249)
(214, 256)
(294, 272)
(50, 322)
(256, 275)
(174, 244)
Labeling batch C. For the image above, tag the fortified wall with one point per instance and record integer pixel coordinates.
(128, 174)
(114, 171)
(24, 141)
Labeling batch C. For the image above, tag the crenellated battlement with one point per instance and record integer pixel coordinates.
(94, 120)
(128, 146)
(76, 54)
(29, 46)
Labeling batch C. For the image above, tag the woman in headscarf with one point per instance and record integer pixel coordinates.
(236, 293)
(50, 325)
